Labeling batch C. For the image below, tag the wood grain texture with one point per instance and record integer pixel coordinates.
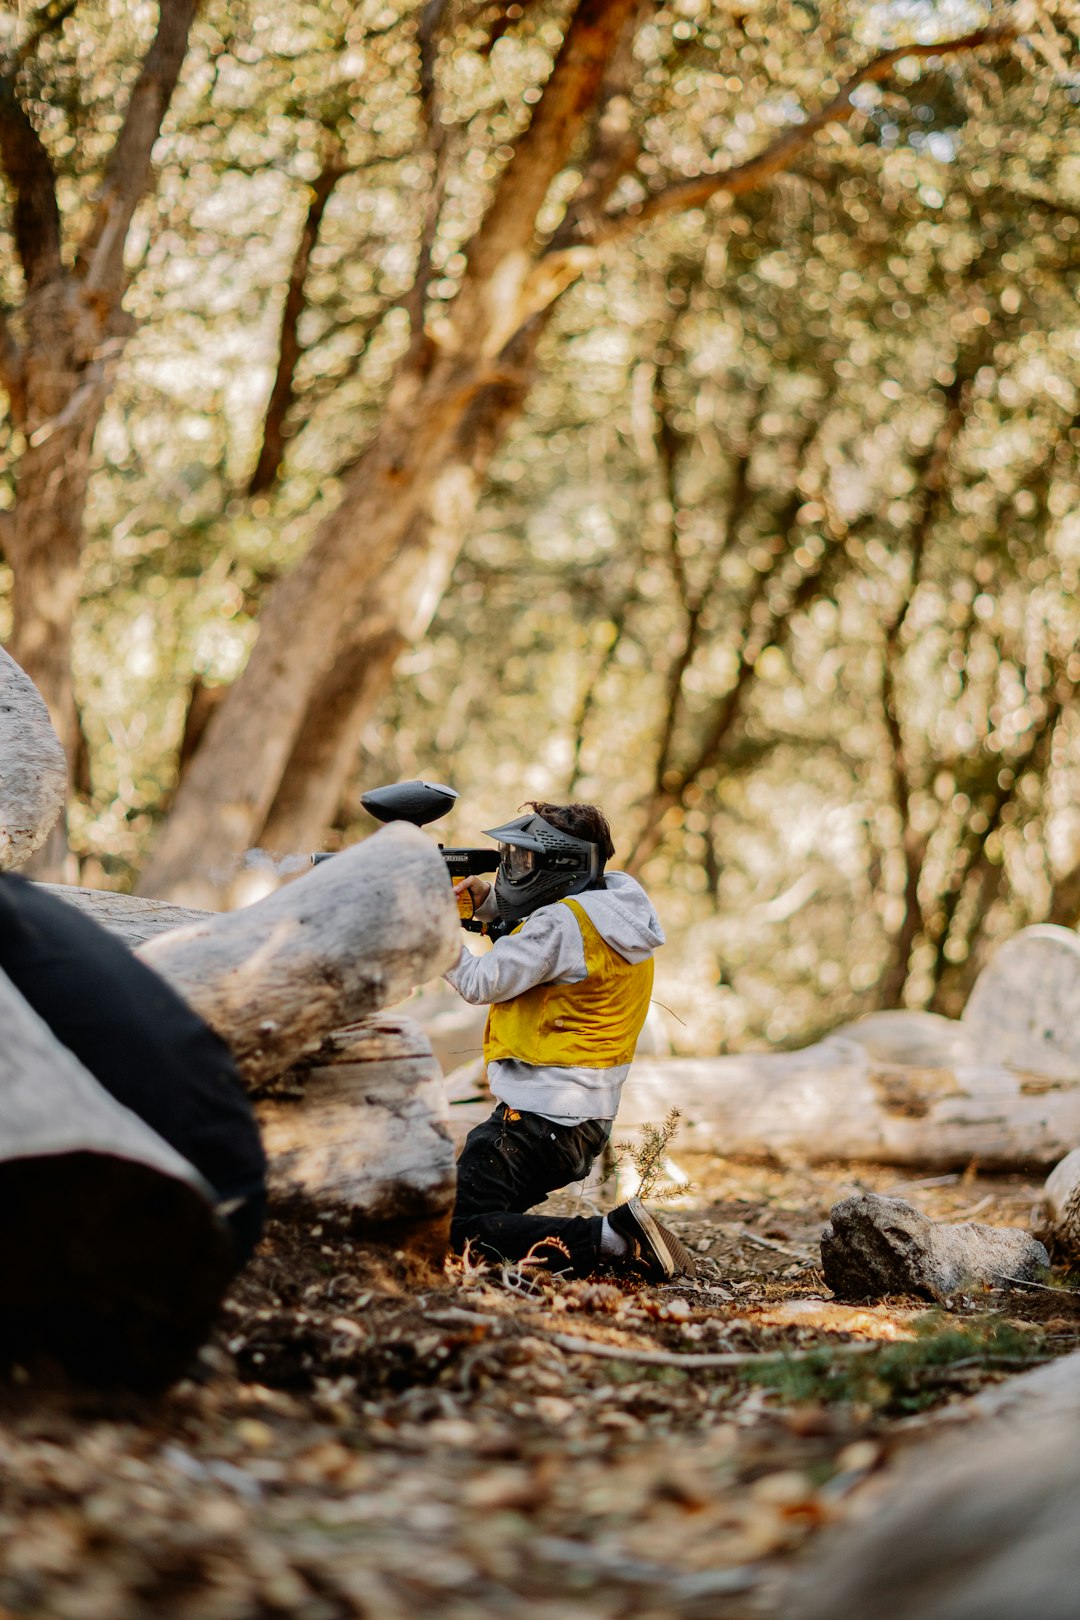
(351, 936)
(366, 1136)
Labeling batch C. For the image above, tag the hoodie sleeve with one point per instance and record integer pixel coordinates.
(548, 949)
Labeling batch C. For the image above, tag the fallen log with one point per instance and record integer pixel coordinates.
(351, 936)
(112, 1258)
(897, 1087)
(830, 1102)
(128, 916)
(33, 771)
(363, 1135)
(1060, 1222)
(975, 1525)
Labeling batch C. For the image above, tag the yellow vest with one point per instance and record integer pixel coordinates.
(591, 1025)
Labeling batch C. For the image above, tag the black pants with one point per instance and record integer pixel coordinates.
(508, 1164)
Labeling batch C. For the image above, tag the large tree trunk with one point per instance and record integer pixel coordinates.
(397, 612)
(58, 358)
(65, 387)
(359, 561)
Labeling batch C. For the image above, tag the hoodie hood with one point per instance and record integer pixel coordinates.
(623, 916)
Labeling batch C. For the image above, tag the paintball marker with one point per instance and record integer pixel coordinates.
(420, 802)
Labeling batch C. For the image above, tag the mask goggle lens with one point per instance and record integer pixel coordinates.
(516, 863)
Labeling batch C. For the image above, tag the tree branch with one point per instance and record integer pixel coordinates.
(509, 225)
(782, 152)
(127, 177)
(50, 19)
(29, 171)
(972, 852)
(12, 373)
(615, 146)
(912, 843)
(759, 631)
(283, 391)
(427, 41)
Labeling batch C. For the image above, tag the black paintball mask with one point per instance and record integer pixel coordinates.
(539, 865)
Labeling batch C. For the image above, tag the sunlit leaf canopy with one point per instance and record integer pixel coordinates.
(779, 564)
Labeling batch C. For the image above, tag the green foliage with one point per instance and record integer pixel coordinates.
(907, 1376)
(648, 1157)
(780, 563)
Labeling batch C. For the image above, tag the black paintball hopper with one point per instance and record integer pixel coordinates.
(418, 802)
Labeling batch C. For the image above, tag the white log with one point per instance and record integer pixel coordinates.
(1060, 1223)
(129, 917)
(365, 1136)
(1025, 1007)
(833, 1101)
(972, 1525)
(33, 771)
(351, 936)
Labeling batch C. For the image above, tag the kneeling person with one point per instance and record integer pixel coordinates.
(569, 990)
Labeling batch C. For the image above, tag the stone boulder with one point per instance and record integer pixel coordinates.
(873, 1246)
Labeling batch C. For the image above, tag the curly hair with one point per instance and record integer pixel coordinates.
(585, 821)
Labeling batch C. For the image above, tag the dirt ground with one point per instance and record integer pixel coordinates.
(361, 1439)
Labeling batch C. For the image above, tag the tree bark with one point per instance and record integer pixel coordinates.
(365, 1135)
(351, 936)
(59, 369)
(33, 771)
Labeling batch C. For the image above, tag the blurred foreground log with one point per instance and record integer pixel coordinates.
(979, 1525)
(364, 1134)
(351, 936)
(111, 1256)
(357, 1126)
(33, 772)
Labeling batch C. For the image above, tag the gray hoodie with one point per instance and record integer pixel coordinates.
(549, 949)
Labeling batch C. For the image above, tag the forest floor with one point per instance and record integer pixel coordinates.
(360, 1440)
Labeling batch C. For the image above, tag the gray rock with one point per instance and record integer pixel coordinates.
(873, 1246)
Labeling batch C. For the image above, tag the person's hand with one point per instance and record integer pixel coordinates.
(475, 886)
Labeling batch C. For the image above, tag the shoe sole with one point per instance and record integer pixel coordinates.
(653, 1236)
(684, 1262)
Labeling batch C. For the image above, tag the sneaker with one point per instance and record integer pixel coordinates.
(654, 1251)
